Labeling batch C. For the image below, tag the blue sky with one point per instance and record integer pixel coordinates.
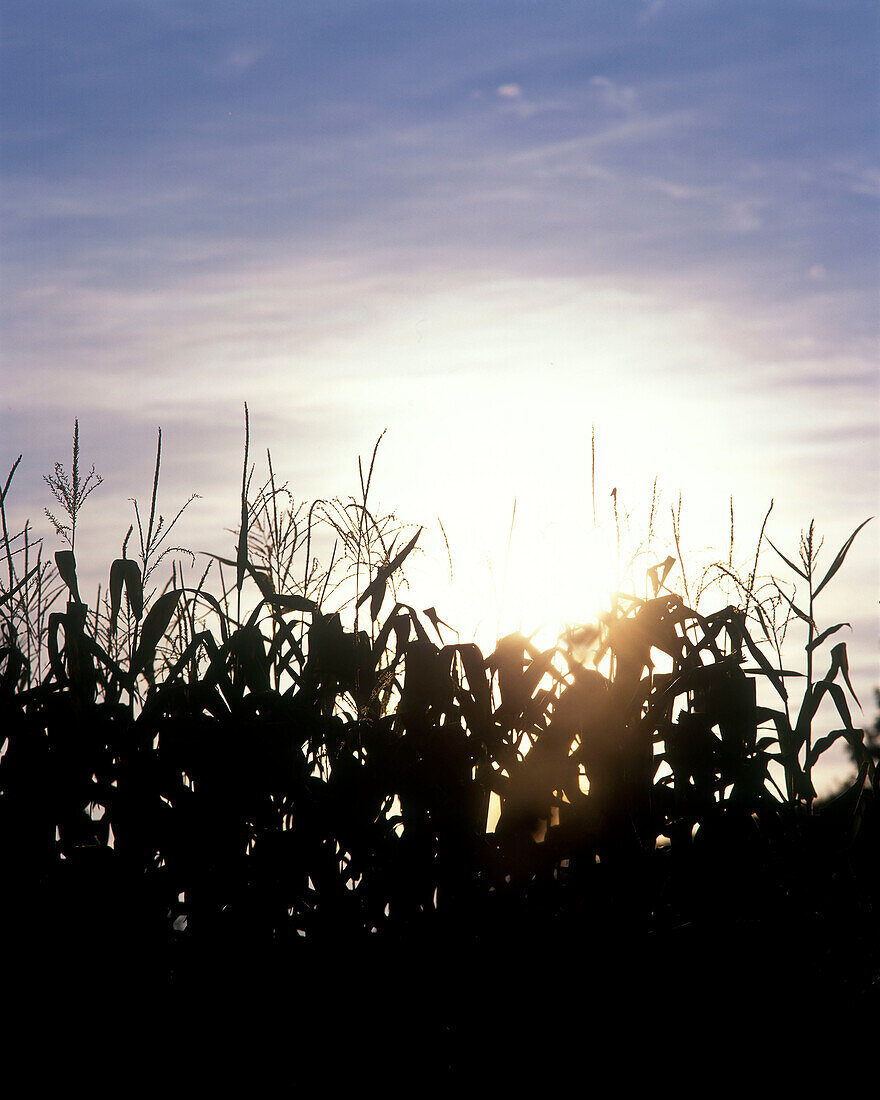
(484, 226)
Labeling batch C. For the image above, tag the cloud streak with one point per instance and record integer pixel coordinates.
(491, 231)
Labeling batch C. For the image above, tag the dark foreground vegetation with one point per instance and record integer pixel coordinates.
(294, 813)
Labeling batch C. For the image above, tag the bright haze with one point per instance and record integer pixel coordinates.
(483, 226)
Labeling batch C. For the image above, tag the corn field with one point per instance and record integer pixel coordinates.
(249, 792)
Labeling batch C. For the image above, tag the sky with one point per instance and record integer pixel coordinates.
(484, 227)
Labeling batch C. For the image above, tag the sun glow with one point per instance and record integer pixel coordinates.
(555, 575)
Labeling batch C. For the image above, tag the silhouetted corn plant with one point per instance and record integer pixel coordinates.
(279, 774)
(799, 751)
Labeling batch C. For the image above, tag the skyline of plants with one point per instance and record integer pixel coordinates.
(288, 761)
(274, 531)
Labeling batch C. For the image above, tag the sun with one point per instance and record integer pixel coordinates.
(539, 569)
(554, 575)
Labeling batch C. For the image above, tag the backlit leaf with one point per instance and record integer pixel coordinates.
(375, 591)
(790, 563)
(825, 634)
(800, 614)
(841, 554)
(125, 573)
(152, 630)
(24, 580)
(134, 588)
(840, 663)
(66, 565)
(116, 580)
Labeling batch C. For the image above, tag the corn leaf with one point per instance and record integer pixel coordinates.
(800, 614)
(841, 554)
(65, 562)
(375, 591)
(825, 634)
(766, 668)
(203, 639)
(117, 570)
(125, 573)
(134, 588)
(854, 737)
(836, 693)
(247, 647)
(56, 622)
(24, 580)
(762, 620)
(654, 573)
(790, 563)
(273, 599)
(242, 555)
(840, 663)
(436, 621)
(154, 627)
(13, 661)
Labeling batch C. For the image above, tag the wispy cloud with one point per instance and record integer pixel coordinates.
(622, 97)
(242, 58)
(657, 215)
(651, 10)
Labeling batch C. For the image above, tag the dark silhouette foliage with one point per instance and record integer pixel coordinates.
(278, 813)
